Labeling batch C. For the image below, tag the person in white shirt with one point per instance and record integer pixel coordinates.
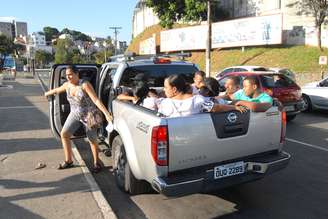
(179, 102)
(151, 101)
(198, 82)
(140, 96)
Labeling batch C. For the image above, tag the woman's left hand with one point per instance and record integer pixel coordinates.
(109, 117)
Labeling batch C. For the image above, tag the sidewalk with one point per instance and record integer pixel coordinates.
(26, 140)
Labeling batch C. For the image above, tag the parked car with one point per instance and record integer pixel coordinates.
(315, 95)
(241, 68)
(284, 71)
(250, 68)
(176, 155)
(278, 86)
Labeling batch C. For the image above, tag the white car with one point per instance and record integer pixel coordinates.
(254, 68)
(241, 68)
(315, 95)
(284, 71)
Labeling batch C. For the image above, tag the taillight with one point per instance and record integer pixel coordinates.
(283, 127)
(160, 145)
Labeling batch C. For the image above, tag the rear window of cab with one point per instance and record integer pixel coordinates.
(156, 74)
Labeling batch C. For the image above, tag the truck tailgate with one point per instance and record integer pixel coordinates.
(215, 137)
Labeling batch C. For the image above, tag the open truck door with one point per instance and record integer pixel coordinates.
(59, 107)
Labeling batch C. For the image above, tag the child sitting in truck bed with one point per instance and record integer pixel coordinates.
(140, 96)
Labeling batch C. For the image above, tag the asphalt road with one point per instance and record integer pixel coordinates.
(299, 191)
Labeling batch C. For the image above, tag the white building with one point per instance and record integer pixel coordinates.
(143, 17)
(297, 29)
(37, 41)
(66, 36)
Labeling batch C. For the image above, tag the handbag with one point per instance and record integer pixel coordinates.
(94, 119)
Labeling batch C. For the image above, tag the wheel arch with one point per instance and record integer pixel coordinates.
(129, 147)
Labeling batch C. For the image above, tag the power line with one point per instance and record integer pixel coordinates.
(115, 33)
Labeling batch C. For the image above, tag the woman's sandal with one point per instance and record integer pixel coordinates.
(96, 169)
(65, 165)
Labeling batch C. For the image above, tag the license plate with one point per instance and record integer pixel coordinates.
(230, 169)
(289, 108)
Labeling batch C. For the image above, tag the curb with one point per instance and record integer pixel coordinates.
(102, 203)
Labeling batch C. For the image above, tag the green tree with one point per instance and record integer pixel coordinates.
(171, 11)
(43, 57)
(7, 47)
(50, 33)
(77, 35)
(78, 57)
(64, 51)
(100, 57)
(317, 8)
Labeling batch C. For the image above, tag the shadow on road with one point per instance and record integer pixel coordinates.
(120, 202)
(62, 186)
(30, 144)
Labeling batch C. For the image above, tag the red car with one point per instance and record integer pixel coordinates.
(276, 85)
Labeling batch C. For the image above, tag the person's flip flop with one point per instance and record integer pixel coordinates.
(96, 169)
(65, 165)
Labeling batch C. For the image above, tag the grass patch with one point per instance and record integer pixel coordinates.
(300, 59)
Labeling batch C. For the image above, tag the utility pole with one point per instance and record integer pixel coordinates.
(115, 33)
(209, 39)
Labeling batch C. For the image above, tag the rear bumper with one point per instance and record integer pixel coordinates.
(298, 107)
(202, 182)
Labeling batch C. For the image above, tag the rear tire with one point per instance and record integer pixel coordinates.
(307, 103)
(124, 177)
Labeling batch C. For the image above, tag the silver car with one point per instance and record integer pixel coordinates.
(315, 95)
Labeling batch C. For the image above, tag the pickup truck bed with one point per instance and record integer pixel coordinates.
(200, 147)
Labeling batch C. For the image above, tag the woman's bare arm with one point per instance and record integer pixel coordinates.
(255, 107)
(126, 97)
(56, 90)
(226, 107)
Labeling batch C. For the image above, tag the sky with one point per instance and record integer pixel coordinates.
(90, 17)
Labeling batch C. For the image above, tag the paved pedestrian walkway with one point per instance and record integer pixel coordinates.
(26, 142)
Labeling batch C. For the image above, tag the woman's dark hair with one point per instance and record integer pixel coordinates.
(211, 88)
(141, 91)
(72, 68)
(179, 82)
(153, 91)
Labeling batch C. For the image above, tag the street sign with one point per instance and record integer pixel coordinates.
(323, 60)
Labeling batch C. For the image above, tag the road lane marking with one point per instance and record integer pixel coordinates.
(26, 134)
(307, 144)
(17, 107)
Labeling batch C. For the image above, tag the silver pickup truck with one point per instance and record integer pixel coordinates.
(176, 156)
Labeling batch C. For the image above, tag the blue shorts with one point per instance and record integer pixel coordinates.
(73, 123)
